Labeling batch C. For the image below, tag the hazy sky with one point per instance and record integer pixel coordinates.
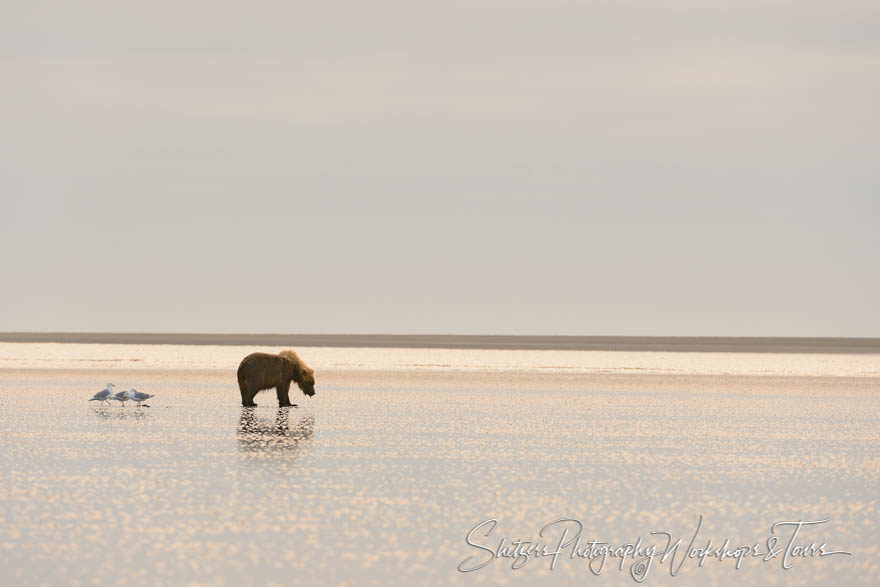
(517, 167)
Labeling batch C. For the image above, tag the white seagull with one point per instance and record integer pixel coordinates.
(137, 397)
(121, 397)
(104, 395)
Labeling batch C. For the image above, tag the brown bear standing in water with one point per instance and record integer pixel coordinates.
(260, 371)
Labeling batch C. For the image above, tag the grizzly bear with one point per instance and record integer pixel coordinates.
(260, 371)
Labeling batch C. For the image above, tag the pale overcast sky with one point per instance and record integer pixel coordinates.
(499, 167)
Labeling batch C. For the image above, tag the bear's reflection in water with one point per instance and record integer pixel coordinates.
(262, 436)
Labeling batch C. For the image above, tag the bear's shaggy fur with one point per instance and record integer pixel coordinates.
(259, 371)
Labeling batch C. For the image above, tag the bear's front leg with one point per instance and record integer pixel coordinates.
(282, 391)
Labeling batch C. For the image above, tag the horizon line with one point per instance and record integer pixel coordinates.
(653, 343)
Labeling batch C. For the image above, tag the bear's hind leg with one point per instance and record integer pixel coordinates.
(247, 396)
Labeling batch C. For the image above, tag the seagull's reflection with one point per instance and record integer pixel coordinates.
(262, 435)
(112, 413)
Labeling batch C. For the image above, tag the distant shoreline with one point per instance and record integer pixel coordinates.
(502, 342)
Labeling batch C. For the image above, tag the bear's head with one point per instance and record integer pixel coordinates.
(304, 377)
(306, 381)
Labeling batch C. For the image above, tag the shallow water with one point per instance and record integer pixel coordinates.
(169, 357)
(380, 483)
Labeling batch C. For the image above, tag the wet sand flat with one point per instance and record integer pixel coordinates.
(379, 478)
